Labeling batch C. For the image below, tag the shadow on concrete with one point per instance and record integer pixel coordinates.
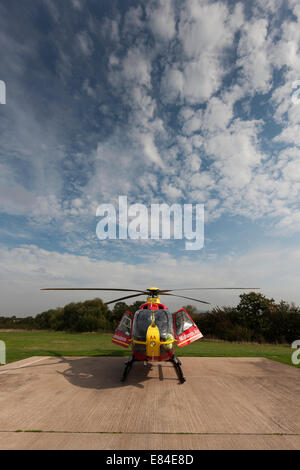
(105, 372)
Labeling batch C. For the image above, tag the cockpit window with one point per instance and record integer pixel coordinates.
(182, 322)
(125, 324)
(142, 321)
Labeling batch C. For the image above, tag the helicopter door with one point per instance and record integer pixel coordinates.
(122, 335)
(185, 329)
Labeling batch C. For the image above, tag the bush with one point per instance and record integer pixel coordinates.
(256, 318)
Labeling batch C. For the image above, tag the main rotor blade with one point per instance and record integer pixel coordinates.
(211, 288)
(94, 288)
(123, 298)
(188, 298)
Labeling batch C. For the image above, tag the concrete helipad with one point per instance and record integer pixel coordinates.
(79, 403)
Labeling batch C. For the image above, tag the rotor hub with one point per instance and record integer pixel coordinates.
(153, 292)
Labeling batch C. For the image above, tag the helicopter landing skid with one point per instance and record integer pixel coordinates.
(177, 365)
(128, 365)
(174, 359)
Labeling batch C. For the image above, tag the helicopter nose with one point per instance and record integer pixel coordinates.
(153, 341)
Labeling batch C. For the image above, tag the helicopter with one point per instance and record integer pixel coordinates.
(152, 331)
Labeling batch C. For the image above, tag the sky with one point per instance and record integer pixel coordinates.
(164, 101)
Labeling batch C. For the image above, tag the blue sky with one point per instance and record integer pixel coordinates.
(162, 101)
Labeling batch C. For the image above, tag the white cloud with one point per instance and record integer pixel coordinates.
(202, 28)
(217, 115)
(195, 162)
(285, 54)
(289, 135)
(172, 84)
(253, 52)
(197, 81)
(192, 121)
(171, 192)
(137, 67)
(27, 269)
(214, 155)
(53, 10)
(113, 60)
(235, 153)
(85, 43)
(162, 19)
(110, 28)
(150, 149)
(202, 180)
(133, 22)
(77, 4)
(88, 89)
(205, 31)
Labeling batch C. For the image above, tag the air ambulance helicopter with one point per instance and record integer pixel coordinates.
(152, 331)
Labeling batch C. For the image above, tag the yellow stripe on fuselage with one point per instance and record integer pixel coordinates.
(120, 342)
(192, 337)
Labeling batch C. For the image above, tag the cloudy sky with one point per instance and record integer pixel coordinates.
(164, 101)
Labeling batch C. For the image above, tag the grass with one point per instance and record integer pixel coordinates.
(24, 344)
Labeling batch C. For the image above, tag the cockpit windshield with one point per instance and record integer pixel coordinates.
(142, 321)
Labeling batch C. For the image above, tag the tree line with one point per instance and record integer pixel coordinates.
(255, 319)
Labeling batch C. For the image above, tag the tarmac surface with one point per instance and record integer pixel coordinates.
(80, 403)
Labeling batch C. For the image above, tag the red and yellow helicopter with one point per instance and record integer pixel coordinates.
(152, 331)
